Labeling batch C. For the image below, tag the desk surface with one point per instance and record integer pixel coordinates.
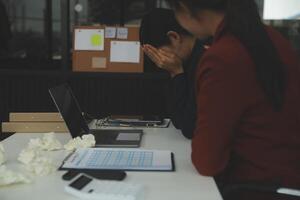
(185, 183)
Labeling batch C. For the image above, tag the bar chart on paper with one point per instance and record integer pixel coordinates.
(121, 159)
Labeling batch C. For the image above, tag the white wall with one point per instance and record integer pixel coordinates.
(281, 9)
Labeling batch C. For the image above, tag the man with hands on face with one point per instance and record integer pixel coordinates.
(175, 50)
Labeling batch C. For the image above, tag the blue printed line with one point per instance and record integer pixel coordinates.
(151, 159)
(118, 159)
(142, 159)
(129, 162)
(107, 157)
(97, 157)
(82, 156)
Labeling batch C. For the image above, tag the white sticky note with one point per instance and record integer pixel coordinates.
(89, 39)
(110, 32)
(125, 51)
(122, 33)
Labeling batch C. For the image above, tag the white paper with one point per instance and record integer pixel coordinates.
(122, 33)
(110, 32)
(281, 9)
(89, 39)
(125, 52)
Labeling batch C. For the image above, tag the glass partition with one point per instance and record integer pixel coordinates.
(30, 34)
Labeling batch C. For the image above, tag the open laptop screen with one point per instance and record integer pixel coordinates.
(68, 107)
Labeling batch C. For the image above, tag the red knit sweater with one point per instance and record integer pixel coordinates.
(238, 136)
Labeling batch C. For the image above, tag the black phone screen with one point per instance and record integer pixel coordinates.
(117, 175)
(81, 182)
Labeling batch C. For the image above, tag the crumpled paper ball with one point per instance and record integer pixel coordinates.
(28, 155)
(41, 166)
(85, 141)
(8, 177)
(88, 141)
(37, 162)
(50, 143)
(34, 156)
(2, 155)
(47, 143)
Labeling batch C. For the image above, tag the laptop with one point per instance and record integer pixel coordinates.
(69, 109)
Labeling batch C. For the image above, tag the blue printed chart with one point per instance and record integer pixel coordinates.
(121, 159)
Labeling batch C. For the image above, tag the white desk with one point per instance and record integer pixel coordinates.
(184, 183)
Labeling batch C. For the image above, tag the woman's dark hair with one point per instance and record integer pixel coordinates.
(242, 19)
(155, 26)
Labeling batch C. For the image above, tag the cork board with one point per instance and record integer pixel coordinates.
(99, 61)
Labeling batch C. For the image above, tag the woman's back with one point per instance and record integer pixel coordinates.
(239, 135)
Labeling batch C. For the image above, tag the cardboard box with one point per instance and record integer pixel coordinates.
(35, 117)
(91, 60)
(34, 127)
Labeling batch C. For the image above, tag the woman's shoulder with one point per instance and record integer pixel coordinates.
(227, 47)
(226, 57)
(227, 52)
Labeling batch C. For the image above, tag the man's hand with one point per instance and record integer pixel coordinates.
(164, 59)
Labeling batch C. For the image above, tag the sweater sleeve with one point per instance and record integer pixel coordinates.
(182, 105)
(220, 94)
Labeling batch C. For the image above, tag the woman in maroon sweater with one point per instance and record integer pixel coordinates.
(248, 96)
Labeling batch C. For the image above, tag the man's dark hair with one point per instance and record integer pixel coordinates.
(156, 25)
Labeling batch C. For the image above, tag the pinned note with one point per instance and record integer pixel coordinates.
(110, 32)
(99, 62)
(122, 33)
(125, 52)
(89, 39)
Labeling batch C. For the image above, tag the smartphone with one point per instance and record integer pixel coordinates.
(86, 187)
(117, 175)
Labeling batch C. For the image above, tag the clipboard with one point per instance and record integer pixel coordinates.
(74, 158)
